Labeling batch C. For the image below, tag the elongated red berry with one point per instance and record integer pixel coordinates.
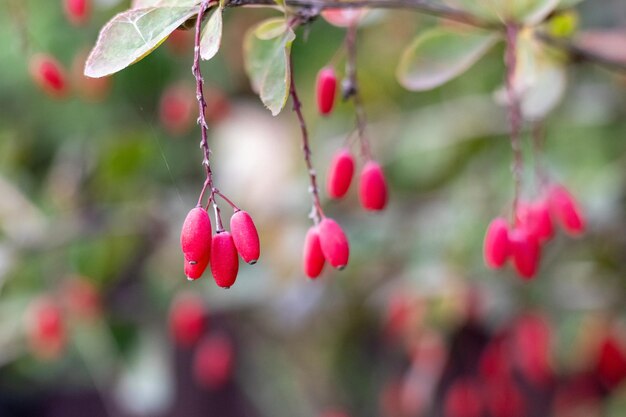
(340, 173)
(49, 75)
(77, 11)
(496, 248)
(187, 319)
(313, 258)
(334, 243)
(224, 260)
(565, 209)
(525, 252)
(214, 361)
(536, 219)
(373, 187)
(343, 17)
(46, 329)
(611, 363)
(195, 242)
(326, 90)
(245, 236)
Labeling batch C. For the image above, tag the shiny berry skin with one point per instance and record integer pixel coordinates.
(565, 209)
(245, 237)
(326, 87)
(525, 252)
(496, 248)
(195, 242)
(187, 319)
(312, 257)
(214, 361)
(334, 243)
(45, 328)
(372, 187)
(340, 173)
(49, 75)
(77, 11)
(463, 399)
(224, 260)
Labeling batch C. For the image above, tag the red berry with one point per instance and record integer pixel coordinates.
(536, 219)
(326, 90)
(373, 187)
(565, 209)
(245, 237)
(46, 329)
(340, 173)
(195, 241)
(224, 260)
(496, 248)
(343, 17)
(334, 243)
(313, 258)
(504, 399)
(77, 11)
(611, 363)
(532, 340)
(525, 252)
(187, 319)
(180, 41)
(49, 75)
(81, 298)
(176, 109)
(214, 361)
(463, 399)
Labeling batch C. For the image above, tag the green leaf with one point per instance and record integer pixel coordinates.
(270, 28)
(267, 65)
(523, 11)
(441, 54)
(131, 35)
(211, 35)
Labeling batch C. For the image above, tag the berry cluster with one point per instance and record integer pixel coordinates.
(201, 248)
(214, 355)
(533, 227)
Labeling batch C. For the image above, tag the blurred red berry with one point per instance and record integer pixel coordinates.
(536, 219)
(532, 345)
(565, 209)
(463, 399)
(214, 361)
(177, 109)
(504, 399)
(340, 173)
(313, 258)
(343, 17)
(525, 252)
(373, 187)
(77, 11)
(334, 243)
(49, 75)
(326, 90)
(81, 298)
(611, 363)
(45, 329)
(187, 319)
(496, 248)
(180, 41)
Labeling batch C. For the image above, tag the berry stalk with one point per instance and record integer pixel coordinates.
(197, 73)
(317, 213)
(514, 111)
(351, 89)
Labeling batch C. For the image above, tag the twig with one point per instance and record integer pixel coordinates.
(515, 113)
(317, 212)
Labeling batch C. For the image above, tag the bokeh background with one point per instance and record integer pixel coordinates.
(94, 188)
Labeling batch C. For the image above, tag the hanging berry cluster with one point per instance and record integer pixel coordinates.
(533, 221)
(200, 246)
(325, 240)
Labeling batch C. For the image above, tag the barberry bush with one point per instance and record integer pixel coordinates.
(416, 207)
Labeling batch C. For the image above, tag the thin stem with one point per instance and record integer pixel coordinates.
(316, 213)
(351, 90)
(514, 110)
(226, 199)
(197, 73)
